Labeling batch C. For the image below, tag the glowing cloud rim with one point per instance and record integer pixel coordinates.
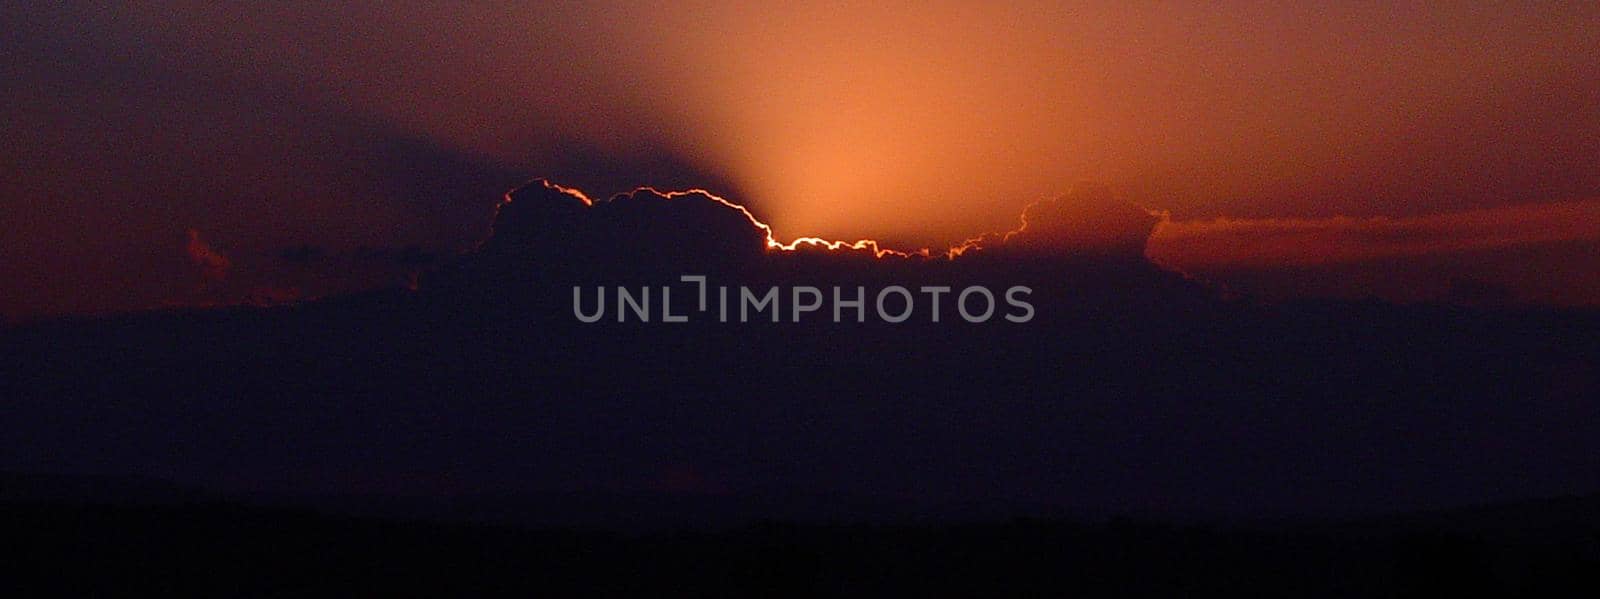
(799, 243)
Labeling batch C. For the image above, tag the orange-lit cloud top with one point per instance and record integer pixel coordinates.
(1056, 225)
(1276, 242)
(1062, 224)
(772, 243)
(868, 245)
(1533, 253)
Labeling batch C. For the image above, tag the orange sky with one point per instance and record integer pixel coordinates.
(920, 124)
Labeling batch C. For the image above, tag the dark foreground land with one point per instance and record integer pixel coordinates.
(218, 548)
(994, 457)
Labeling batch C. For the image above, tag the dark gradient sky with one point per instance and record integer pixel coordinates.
(321, 148)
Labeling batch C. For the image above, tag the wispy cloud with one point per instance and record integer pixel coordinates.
(1310, 241)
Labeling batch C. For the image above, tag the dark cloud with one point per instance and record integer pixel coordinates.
(1540, 253)
(551, 223)
(693, 226)
(1131, 386)
(302, 254)
(213, 265)
(547, 238)
(1089, 220)
(1472, 292)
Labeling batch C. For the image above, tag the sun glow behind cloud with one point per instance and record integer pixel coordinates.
(267, 126)
(920, 122)
(922, 125)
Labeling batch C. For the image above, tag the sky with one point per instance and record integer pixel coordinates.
(195, 153)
